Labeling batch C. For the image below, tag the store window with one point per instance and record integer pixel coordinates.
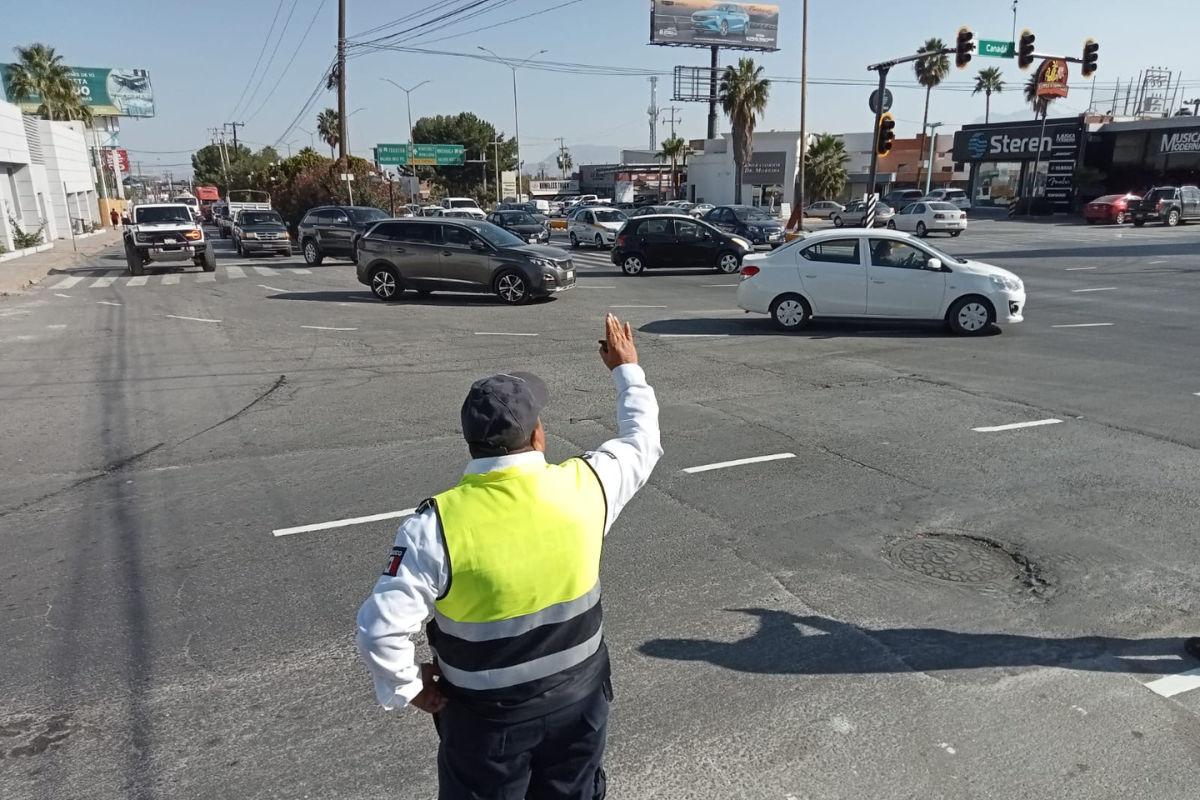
(997, 184)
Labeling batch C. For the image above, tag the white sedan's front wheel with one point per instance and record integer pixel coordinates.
(970, 316)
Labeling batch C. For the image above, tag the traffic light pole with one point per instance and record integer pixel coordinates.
(882, 68)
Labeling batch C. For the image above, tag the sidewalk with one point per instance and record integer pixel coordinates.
(17, 274)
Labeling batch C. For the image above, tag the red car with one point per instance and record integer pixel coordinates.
(1110, 208)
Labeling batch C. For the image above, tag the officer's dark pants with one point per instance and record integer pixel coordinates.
(555, 757)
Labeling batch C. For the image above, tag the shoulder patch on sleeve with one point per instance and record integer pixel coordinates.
(393, 563)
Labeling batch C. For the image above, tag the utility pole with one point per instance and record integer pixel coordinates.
(673, 119)
(341, 85)
(653, 112)
(499, 186)
(933, 126)
(712, 95)
(235, 126)
(562, 156)
(798, 199)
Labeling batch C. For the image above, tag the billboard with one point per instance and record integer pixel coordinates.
(740, 26)
(1017, 141)
(109, 92)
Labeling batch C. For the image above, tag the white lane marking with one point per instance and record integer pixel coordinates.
(300, 271)
(585, 286)
(1086, 325)
(739, 462)
(59, 294)
(55, 327)
(342, 523)
(1097, 289)
(67, 283)
(1158, 262)
(637, 306)
(1176, 684)
(320, 328)
(206, 277)
(170, 280)
(263, 270)
(1013, 426)
(693, 335)
(191, 319)
(100, 283)
(140, 280)
(493, 333)
(270, 288)
(1077, 269)
(106, 303)
(718, 285)
(235, 272)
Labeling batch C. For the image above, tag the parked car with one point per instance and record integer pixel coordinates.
(852, 215)
(459, 255)
(594, 225)
(899, 198)
(880, 274)
(261, 232)
(531, 209)
(1169, 205)
(924, 217)
(1110, 208)
(700, 209)
(430, 211)
(648, 210)
(523, 224)
(823, 209)
(463, 204)
(333, 231)
(675, 240)
(748, 222)
(956, 196)
(724, 19)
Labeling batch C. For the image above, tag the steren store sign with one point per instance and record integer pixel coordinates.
(1185, 141)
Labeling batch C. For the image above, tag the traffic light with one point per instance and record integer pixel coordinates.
(885, 136)
(1025, 49)
(1090, 48)
(964, 47)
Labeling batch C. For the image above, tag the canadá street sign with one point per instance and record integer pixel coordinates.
(439, 155)
(995, 49)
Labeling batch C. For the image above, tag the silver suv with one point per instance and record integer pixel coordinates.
(459, 255)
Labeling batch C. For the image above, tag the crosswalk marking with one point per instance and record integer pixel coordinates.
(206, 277)
(170, 279)
(235, 272)
(100, 283)
(140, 280)
(264, 270)
(66, 283)
(300, 271)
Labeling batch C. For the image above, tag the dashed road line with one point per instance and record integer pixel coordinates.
(235, 272)
(1077, 269)
(496, 333)
(106, 303)
(1097, 289)
(191, 319)
(1015, 425)
(739, 462)
(342, 523)
(60, 294)
(170, 280)
(140, 280)
(100, 283)
(322, 328)
(270, 288)
(693, 335)
(1085, 325)
(299, 271)
(206, 277)
(1172, 685)
(67, 283)
(637, 306)
(263, 270)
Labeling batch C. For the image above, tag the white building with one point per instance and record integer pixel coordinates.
(46, 178)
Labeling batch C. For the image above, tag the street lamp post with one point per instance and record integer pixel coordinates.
(289, 147)
(516, 108)
(312, 137)
(933, 126)
(408, 102)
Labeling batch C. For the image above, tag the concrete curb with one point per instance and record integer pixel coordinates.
(34, 264)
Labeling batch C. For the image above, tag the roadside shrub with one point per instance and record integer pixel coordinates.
(23, 240)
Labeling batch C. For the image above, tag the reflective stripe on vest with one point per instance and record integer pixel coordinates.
(523, 545)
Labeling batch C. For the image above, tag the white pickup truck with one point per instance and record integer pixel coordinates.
(464, 204)
(240, 200)
(166, 232)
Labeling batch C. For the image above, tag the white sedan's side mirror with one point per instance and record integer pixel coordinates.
(934, 265)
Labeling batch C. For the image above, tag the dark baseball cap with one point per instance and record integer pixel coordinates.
(501, 412)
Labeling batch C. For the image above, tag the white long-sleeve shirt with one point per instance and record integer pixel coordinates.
(402, 601)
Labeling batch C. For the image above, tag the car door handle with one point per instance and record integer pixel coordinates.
(876, 280)
(810, 276)
(447, 253)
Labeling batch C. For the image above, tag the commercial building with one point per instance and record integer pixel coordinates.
(1138, 154)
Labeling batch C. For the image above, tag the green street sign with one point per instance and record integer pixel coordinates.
(431, 155)
(995, 49)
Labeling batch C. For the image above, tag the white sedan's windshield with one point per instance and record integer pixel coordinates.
(943, 207)
(607, 215)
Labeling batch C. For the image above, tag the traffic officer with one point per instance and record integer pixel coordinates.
(508, 564)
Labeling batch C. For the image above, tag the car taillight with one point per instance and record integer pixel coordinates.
(749, 271)
(939, 216)
(1159, 206)
(620, 241)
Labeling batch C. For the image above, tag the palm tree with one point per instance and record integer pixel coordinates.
(565, 163)
(930, 71)
(1040, 105)
(825, 167)
(988, 81)
(743, 92)
(329, 129)
(673, 149)
(39, 72)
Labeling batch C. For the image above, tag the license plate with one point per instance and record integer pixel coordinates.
(571, 275)
(533, 240)
(170, 241)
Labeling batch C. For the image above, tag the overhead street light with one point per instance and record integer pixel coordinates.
(408, 101)
(516, 108)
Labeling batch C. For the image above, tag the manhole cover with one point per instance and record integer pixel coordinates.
(955, 559)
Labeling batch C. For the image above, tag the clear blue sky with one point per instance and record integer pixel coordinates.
(200, 57)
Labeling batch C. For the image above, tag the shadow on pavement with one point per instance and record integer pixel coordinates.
(817, 329)
(408, 299)
(1114, 250)
(780, 647)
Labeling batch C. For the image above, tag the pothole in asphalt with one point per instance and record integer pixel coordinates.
(971, 560)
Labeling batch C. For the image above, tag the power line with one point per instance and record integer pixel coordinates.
(402, 20)
(271, 60)
(258, 61)
(500, 24)
(288, 66)
(471, 4)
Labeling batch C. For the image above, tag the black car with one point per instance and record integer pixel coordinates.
(334, 231)
(671, 240)
(459, 255)
(522, 224)
(261, 232)
(643, 211)
(749, 222)
(528, 208)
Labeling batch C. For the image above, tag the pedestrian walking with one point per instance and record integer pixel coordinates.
(115, 216)
(508, 562)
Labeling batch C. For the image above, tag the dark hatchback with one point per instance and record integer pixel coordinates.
(671, 240)
(522, 224)
(459, 255)
(333, 231)
(749, 222)
(645, 211)
(261, 232)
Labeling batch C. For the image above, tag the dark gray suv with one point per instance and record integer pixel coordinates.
(459, 255)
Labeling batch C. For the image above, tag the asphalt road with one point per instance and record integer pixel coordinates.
(899, 606)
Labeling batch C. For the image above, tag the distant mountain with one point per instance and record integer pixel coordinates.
(580, 154)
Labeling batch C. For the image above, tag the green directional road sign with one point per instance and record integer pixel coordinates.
(440, 155)
(987, 47)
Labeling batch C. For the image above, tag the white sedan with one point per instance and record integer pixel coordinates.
(700, 209)
(595, 225)
(823, 209)
(924, 217)
(877, 274)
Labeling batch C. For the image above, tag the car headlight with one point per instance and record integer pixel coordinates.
(753, 229)
(743, 242)
(193, 234)
(249, 235)
(542, 262)
(1004, 282)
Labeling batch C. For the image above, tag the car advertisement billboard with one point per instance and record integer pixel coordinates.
(741, 26)
(108, 92)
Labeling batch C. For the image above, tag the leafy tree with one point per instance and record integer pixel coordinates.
(1040, 105)
(565, 162)
(40, 71)
(930, 71)
(673, 149)
(477, 137)
(321, 184)
(988, 81)
(743, 92)
(329, 129)
(825, 166)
